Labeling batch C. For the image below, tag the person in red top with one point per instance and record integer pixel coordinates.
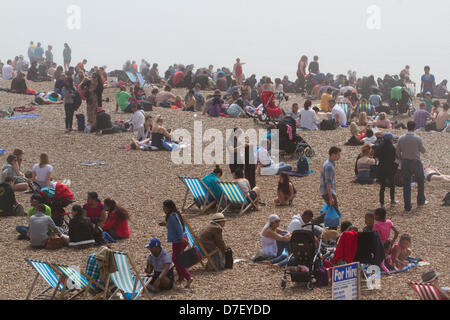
(116, 224)
(238, 71)
(178, 78)
(80, 66)
(94, 209)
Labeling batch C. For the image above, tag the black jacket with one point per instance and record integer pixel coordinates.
(386, 154)
(103, 121)
(7, 199)
(80, 229)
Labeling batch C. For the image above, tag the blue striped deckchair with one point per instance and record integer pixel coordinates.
(234, 197)
(201, 252)
(346, 109)
(366, 107)
(200, 193)
(131, 286)
(47, 273)
(80, 280)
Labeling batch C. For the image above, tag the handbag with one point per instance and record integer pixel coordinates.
(188, 258)
(374, 171)
(54, 242)
(228, 258)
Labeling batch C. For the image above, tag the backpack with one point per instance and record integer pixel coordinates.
(303, 165)
(80, 122)
(228, 258)
(76, 100)
(446, 200)
(327, 125)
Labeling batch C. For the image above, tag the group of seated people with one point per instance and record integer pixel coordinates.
(93, 223)
(435, 120)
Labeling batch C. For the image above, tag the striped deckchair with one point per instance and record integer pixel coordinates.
(234, 197)
(131, 286)
(47, 273)
(201, 252)
(426, 291)
(346, 108)
(200, 193)
(80, 280)
(366, 107)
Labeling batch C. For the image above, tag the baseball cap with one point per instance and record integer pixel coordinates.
(155, 242)
(389, 136)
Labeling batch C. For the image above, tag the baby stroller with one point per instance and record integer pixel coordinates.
(270, 111)
(401, 101)
(57, 199)
(290, 142)
(304, 258)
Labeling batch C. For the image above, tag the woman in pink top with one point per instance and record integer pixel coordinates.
(94, 209)
(384, 226)
(238, 71)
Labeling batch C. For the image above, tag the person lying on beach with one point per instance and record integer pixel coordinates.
(48, 98)
(433, 175)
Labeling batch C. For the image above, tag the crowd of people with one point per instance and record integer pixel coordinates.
(101, 222)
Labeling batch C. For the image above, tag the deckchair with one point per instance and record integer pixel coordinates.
(201, 252)
(131, 286)
(366, 107)
(426, 291)
(200, 193)
(81, 281)
(47, 273)
(234, 197)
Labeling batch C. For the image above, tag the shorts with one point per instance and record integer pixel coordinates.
(252, 195)
(169, 275)
(431, 175)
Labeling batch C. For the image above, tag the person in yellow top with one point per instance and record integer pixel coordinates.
(324, 104)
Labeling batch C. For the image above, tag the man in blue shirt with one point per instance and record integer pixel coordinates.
(428, 82)
(328, 178)
(39, 53)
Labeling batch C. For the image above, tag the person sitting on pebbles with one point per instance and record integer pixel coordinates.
(159, 263)
(212, 238)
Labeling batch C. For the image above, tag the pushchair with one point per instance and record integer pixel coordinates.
(401, 101)
(290, 142)
(57, 199)
(269, 111)
(304, 259)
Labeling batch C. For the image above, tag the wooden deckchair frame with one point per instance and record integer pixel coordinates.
(137, 277)
(204, 206)
(243, 208)
(207, 255)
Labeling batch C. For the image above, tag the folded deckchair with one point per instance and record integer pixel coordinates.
(131, 286)
(131, 76)
(197, 245)
(234, 197)
(47, 273)
(141, 79)
(200, 193)
(426, 291)
(80, 280)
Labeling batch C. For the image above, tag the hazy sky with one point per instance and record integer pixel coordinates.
(270, 36)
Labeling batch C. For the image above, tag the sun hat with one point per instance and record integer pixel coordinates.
(218, 217)
(153, 243)
(429, 276)
(388, 136)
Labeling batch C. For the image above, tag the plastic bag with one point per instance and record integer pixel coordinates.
(332, 218)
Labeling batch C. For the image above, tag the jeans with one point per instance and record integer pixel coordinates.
(284, 167)
(22, 230)
(69, 110)
(410, 168)
(129, 109)
(170, 146)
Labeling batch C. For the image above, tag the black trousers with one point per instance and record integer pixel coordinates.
(69, 110)
(387, 183)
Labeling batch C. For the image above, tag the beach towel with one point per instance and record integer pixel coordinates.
(93, 163)
(23, 116)
(413, 262)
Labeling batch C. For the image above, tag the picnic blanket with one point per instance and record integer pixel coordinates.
(23, 116)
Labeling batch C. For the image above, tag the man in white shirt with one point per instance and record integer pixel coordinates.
(338, 113)
(8, 71)
(299, 222)
(138, 118)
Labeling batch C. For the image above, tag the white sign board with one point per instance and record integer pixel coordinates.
(346, 279)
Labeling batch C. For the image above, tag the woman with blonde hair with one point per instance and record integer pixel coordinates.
(382, 121)
(42, 172)
(363, 165)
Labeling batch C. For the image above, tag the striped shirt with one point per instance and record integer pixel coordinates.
(327, 177)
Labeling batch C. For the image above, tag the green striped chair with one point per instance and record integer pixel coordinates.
(234, 198)
(200, 193)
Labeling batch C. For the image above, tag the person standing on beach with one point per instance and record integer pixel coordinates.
(409, 148)
(67, 55)
(31, 51)
(301, 71)
(49, 56)
(428, 82)
(237, 70)
(39, 53)
(314, 66)
(328, 178)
